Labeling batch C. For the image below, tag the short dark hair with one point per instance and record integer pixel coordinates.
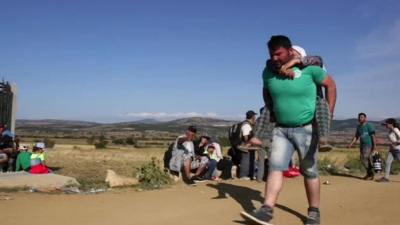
(392, 121)
(362, 114)
(192, 129)
(278, 41)
(250, 114)
(206, 136)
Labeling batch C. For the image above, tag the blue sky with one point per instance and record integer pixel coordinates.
(112, 61)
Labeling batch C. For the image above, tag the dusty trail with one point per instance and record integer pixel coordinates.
(345, 201)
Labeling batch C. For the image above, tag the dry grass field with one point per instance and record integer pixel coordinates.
(89, 165)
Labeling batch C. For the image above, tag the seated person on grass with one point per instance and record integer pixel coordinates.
(6, 148)
(217, 161)
(38, 159)
(183, 155)
(3, 160)
(23, 159)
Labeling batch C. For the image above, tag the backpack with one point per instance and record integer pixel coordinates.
(235, 138)
(168, 155)
(235, 134)
(235, 154)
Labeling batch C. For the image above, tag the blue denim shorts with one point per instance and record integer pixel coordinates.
(285, 141)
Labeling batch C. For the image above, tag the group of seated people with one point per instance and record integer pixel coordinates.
(17, 157)
(202, 159)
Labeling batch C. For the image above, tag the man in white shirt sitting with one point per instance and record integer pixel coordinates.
(248, 158)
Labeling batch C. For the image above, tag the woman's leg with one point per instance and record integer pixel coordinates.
(388, 164)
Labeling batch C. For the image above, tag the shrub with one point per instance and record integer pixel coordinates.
(118, 141)
(327, 166)
(354, 164)
(395, 167)
(224, 141)
(101, 144)
(130, 141)
(49, 143)
(91, 140)
(151, 176)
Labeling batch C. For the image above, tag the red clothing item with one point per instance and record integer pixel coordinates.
(39, 169)
(292, 172)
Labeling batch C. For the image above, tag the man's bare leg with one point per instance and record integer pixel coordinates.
(200, 170)
(273, 187)
(187, 168)
(313, 196)
(313, 191)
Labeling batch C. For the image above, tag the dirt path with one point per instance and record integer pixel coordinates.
(346, 201)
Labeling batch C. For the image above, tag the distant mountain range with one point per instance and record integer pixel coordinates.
(204, 124)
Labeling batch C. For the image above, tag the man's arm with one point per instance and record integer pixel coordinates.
(352, 142)
(330, 87)
(373, 138)
(371, 131)
(246, 138)
(355, 138)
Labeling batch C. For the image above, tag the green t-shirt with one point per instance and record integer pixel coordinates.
(364, 132)
(23, 161)
(294, 99)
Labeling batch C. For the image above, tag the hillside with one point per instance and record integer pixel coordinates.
(151, 124)
(150, 132)
(216, 127)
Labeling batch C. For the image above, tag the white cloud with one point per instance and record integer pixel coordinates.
(165, 115)
(381, 43)
(372, 86)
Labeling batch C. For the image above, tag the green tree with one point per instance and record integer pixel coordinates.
(91, 140)
(118, 141)
(49, 143)
(130, 141)
(224, 141)
(101, 144)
